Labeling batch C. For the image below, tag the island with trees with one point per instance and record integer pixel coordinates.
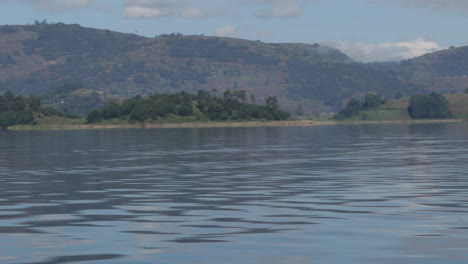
(203, 106)
(183, 107)
(218, 109)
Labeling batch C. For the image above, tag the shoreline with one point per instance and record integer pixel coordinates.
(291, 123)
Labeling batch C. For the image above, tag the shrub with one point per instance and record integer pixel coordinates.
(433, 105)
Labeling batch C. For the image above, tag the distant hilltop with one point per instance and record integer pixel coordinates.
(43, 58)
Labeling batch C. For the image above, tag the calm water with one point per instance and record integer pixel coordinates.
(338, 194)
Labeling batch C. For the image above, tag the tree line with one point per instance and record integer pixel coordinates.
(431, 106)
(203, 106)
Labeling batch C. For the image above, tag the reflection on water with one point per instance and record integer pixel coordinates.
(340, 194)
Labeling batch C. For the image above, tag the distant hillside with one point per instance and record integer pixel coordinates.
(445, 71)
(42, 58)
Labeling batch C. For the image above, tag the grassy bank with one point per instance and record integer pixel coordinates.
(392, 112)
(174, 125)
(292, 123)
(397, 110)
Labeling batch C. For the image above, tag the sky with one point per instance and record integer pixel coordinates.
(366, 30)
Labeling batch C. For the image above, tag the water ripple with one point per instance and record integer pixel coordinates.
(342, 194)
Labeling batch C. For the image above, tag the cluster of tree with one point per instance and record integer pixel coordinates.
(139, 109)
(204, 105)
(19, 110)
(355, 106)
(233, 106)
(433, 105)
(171, 35)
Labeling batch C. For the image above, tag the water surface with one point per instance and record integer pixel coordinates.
(337, 194)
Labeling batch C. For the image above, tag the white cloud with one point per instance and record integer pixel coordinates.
(283, 10)
(60, 5)
(278, 8)
(154, 3)
(163, 8)
(435, 5)
(226, 31)
(145, 12)
(194, 12)
(385, 51)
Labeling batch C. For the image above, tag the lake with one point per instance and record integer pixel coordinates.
(332, 194)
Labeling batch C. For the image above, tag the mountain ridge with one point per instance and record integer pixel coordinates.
(43, 58)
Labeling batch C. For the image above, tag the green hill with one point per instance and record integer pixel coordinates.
(43, 58)
(445, 71)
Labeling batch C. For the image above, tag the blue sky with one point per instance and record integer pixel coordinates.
(367, 30)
